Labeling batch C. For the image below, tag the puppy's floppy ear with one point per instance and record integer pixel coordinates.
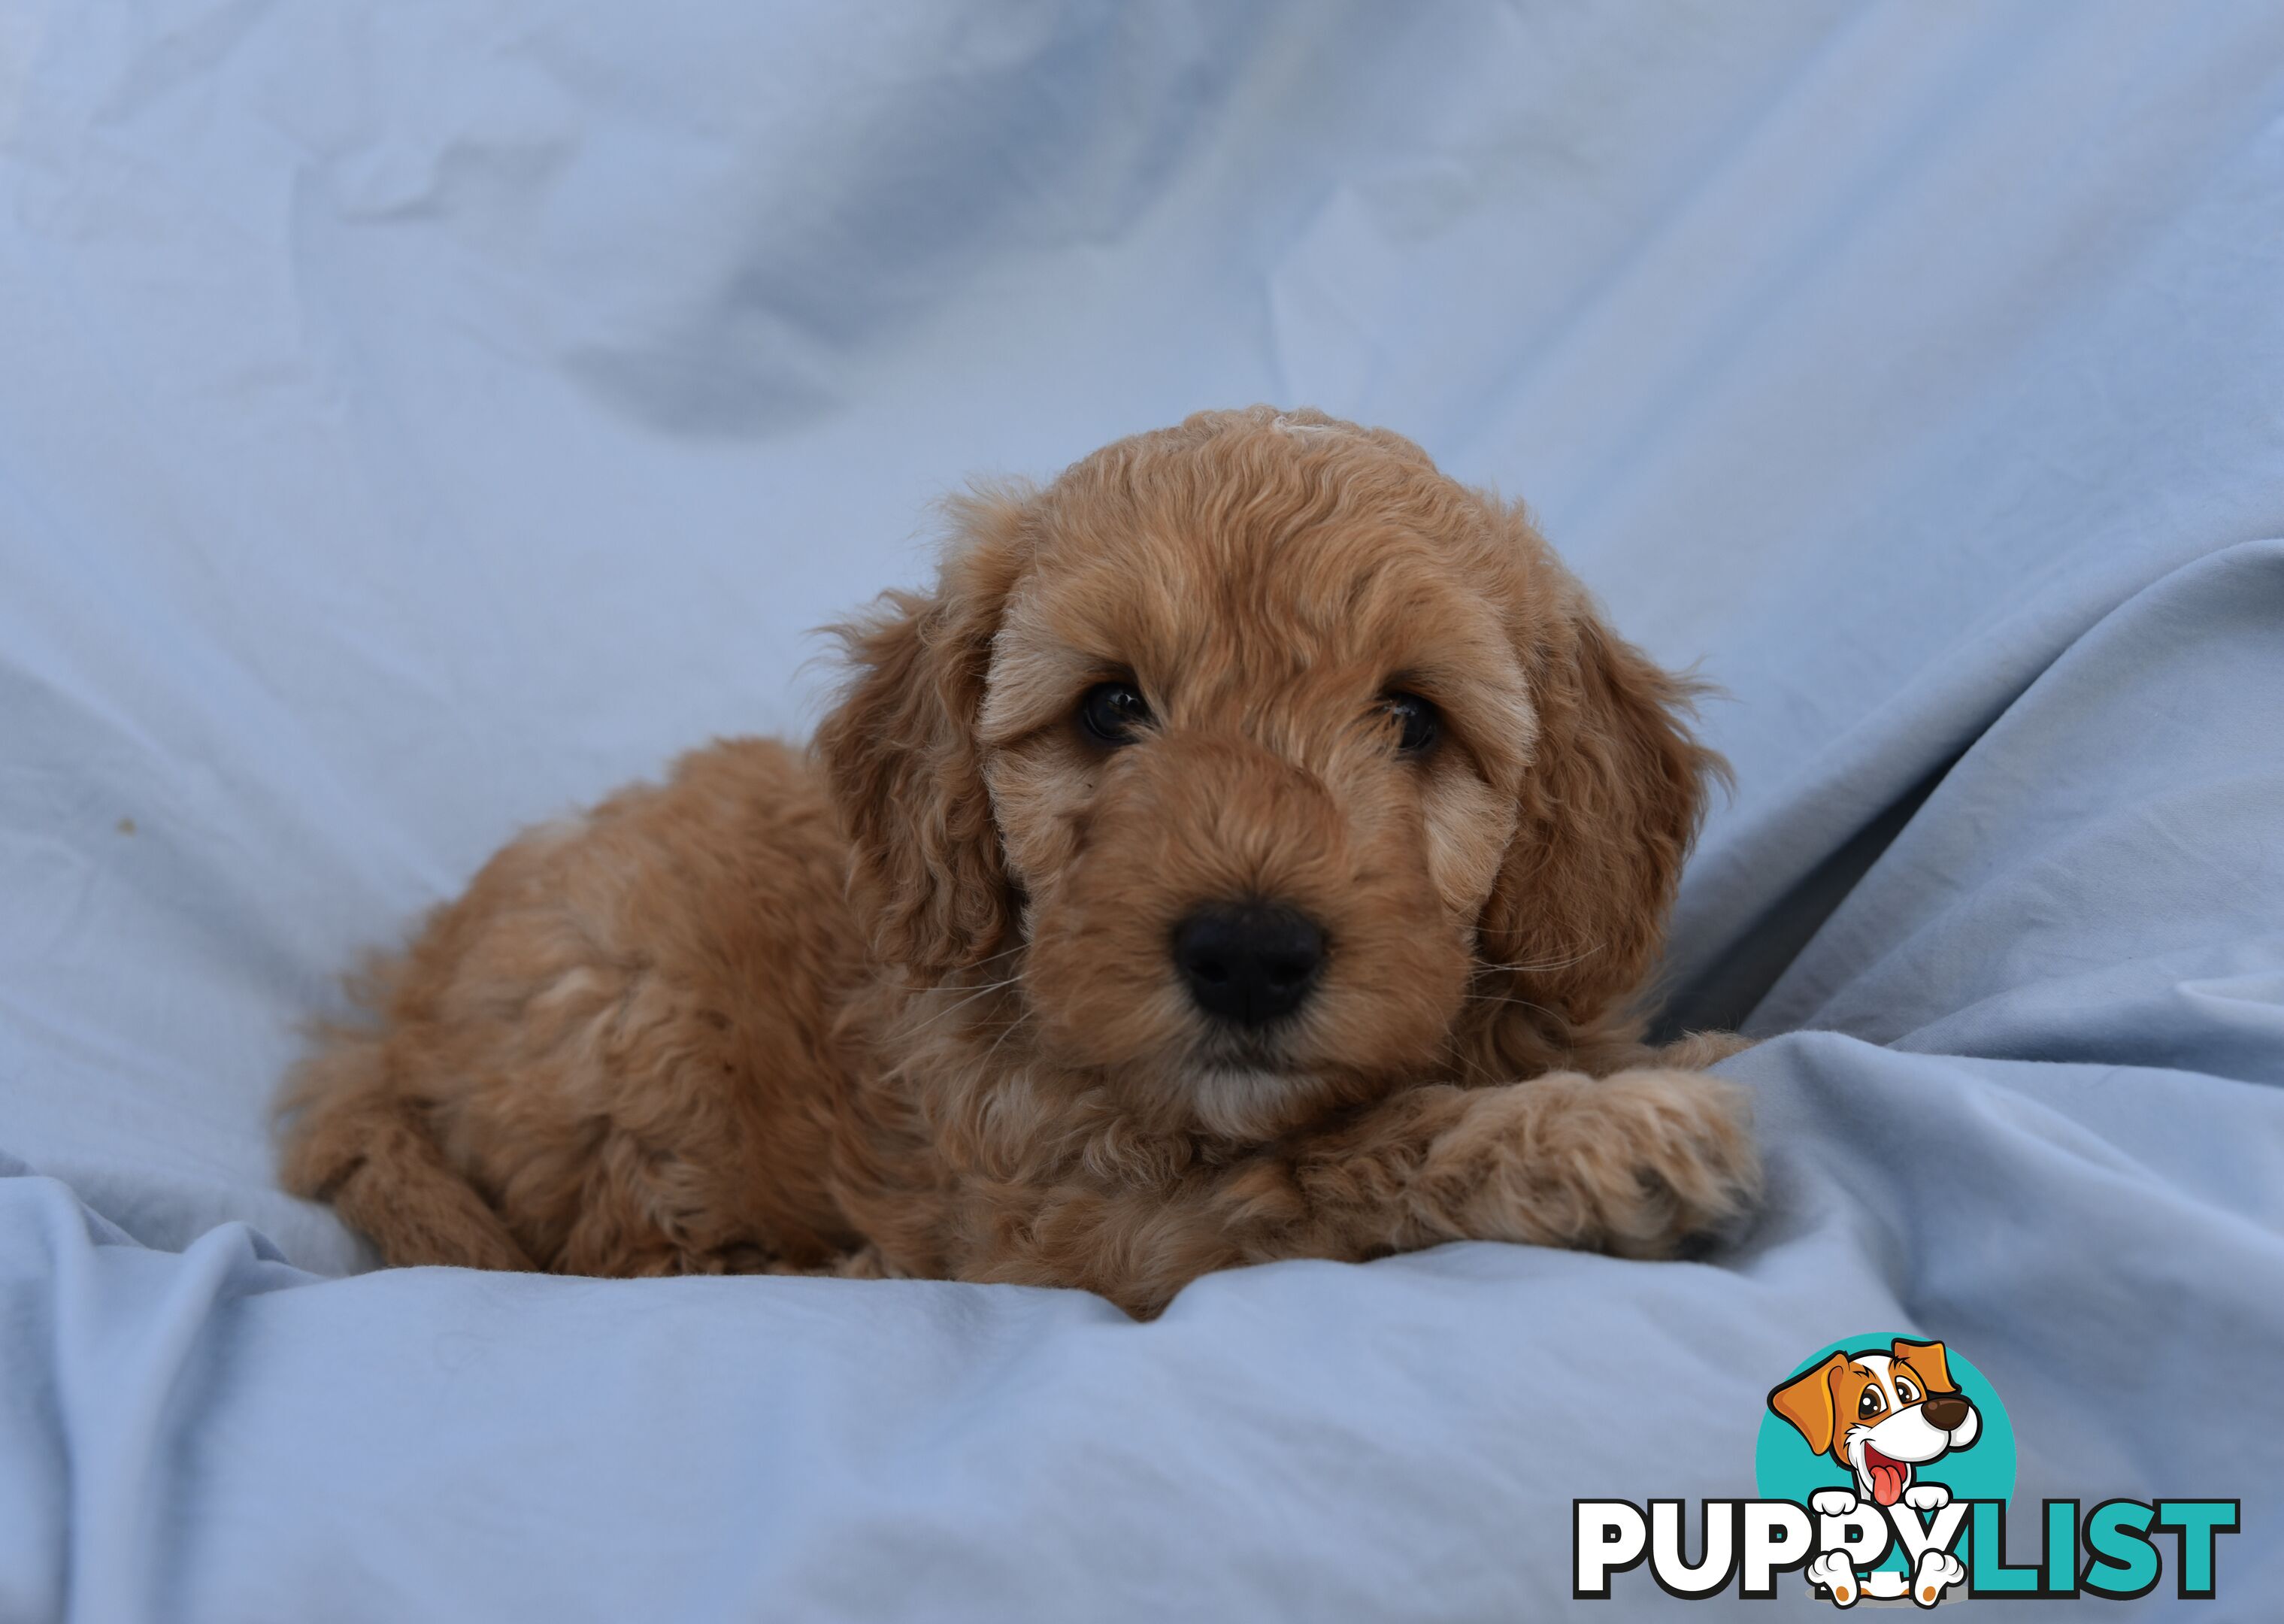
(1806, 1401)
(1609, 806)
(901, 757)
(1928, 1362)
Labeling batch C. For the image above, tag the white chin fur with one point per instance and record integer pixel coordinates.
(1240, 1102)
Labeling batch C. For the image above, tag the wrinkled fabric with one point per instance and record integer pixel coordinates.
(416, 420)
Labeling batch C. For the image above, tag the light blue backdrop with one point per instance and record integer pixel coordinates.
(416, 418)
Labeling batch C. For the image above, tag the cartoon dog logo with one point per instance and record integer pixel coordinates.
(1882, 1416)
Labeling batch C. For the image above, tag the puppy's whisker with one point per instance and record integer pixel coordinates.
(1543, 964)
(1525, 1003)
(993, 987)
(921, 986)
(1468, 1066)
(1525, 967)
(1006, 1033)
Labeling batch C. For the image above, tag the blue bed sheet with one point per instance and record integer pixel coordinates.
(417, 419)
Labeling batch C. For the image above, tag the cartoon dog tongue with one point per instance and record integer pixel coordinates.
(1887, 1476)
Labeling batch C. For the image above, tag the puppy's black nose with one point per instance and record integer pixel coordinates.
(1946, 1411)
(1248, 963)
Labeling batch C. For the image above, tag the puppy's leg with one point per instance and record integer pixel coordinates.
(1636, 1164)
(614, 1054)
(663, 1205)
(357, 1142)
(1609, 1054)
(864, 1262)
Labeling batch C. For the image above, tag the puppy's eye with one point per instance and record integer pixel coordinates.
(1417, 724)
(1906, 1393)
(1113, 713)
(1871, 1405)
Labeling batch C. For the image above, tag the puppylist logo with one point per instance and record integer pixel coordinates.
(1885, 1468)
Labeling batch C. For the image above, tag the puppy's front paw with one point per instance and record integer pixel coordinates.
(1639, 1163)
(1664, 1159)
(1832, 1503)
(1926, 1496)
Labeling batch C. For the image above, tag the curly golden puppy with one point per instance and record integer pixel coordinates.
(1251, 849)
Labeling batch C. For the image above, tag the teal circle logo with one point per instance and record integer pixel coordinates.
(1823, 1425)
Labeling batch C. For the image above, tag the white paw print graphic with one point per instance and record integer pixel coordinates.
(1831, 1570)
(1936, 1572)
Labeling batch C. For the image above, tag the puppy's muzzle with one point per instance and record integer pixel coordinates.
(1249, 963)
